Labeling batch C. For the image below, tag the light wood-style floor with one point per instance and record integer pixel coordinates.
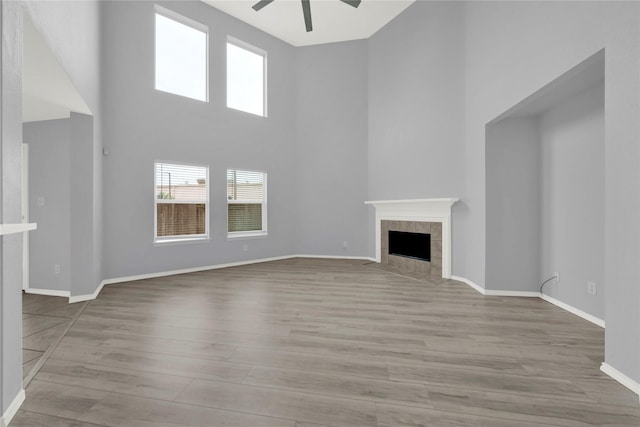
(309, 343)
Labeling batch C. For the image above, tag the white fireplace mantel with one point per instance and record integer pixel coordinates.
(426, 210)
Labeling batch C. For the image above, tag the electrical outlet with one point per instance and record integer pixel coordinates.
(56, 268)
(245, 247)
(557, 276)
(345, 244)
(40, 201)
(591, 288)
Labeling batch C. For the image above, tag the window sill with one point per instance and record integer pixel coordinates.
(181, 241)
(246, 235)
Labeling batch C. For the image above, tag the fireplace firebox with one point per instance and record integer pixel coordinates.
(410, 245)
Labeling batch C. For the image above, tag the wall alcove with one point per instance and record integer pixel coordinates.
(544, 165)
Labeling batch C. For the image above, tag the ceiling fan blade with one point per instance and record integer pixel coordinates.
(261, 4)
(306, 11)
(354, 3)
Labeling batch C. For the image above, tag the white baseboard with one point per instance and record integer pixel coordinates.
(571, 309)
(13, 408)
(48, 292)
(88, 297)
(621, 378)
(525, 294)
(362, 258)
(468, 282)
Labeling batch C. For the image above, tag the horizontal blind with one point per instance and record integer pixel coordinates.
(181, 193)
(246, 197)
(245, 217)
(245, 186)
(181, 183)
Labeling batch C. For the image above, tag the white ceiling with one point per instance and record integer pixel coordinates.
(333, 20)
(47, 92)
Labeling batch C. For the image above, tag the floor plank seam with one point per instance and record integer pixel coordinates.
(52, 347)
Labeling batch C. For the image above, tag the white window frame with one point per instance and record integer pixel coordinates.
(188, 238)
(253, 49)
(248, 234)
(170, 14)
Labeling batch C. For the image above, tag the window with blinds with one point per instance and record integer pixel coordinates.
(246, 202)
(181, 194)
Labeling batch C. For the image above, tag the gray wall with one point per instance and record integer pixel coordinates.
(416, 109)
(512, 50)
(83, 220)
(331, 149)
(61, 171)
(572, 226)
(49, 178)
(10, 203)
(513, 205)
(143, 125)
(72, 30)
(416, 99)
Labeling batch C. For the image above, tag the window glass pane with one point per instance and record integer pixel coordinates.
(245, 80)
(181, 59)
(180, 219)
(245, 185)
(246, 200)
(181, 197)
(245, 217)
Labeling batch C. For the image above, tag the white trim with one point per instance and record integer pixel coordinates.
(189, 240)
(6, 229)
(25, 215)
(256, 51)
(426, 210)
(522, 294)
(182, 239)
(233, 235)
(13, 408)
(571, 309)
(264, 232)
(193, 24)
(468, 282)
(175, 16)
(88, 297)
(363, 258)
(621, 378)
(48, 292)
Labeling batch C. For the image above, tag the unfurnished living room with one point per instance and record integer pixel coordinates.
(320, 213)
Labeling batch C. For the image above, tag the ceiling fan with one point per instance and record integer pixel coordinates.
(306, 9)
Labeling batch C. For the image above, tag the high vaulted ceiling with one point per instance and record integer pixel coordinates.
(47, 91)
(333, 20)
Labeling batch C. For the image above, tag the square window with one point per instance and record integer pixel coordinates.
(181, 197)
(246, 203)
(181, 55)
(246, 71)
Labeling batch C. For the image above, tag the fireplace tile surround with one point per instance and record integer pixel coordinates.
(423, 269)
(431, 216)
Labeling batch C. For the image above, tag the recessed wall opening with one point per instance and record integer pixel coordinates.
(545, 182)
(410, 245)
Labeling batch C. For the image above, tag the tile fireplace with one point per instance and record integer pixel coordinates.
(420, 216)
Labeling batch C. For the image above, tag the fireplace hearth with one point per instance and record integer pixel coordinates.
(417, 261)
(422, 216)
